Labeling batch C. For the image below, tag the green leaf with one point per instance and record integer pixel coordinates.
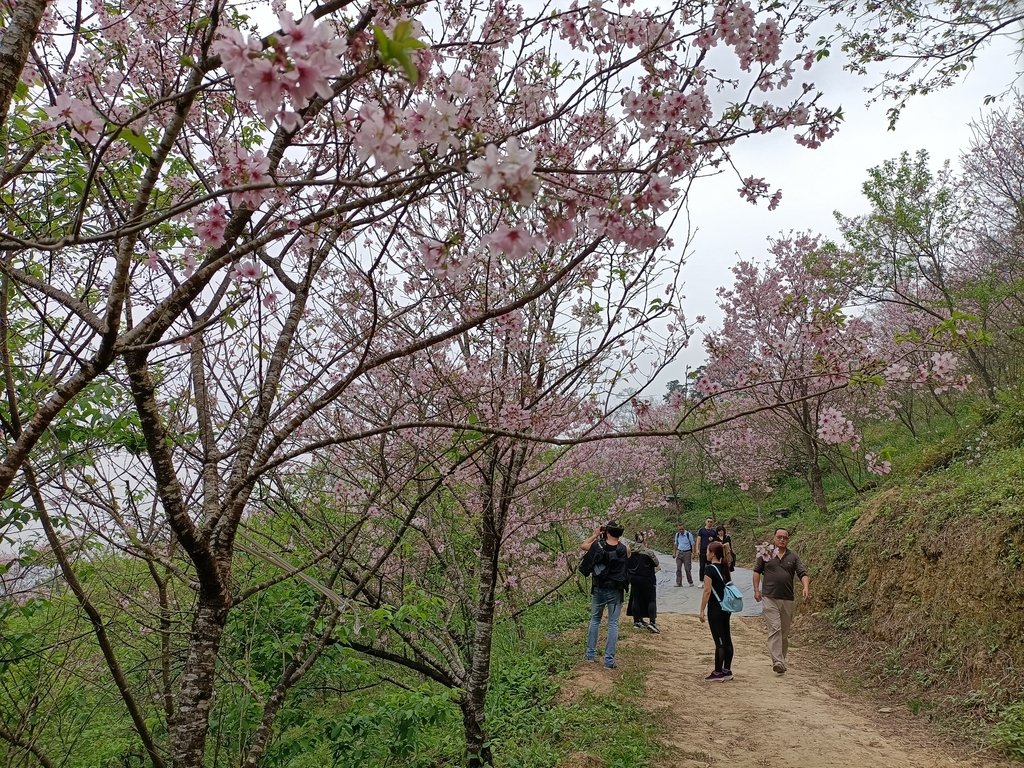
(396, 51)
(138, 142)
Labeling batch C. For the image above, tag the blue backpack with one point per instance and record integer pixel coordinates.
(731, 601)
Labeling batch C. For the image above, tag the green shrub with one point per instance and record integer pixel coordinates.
(1008, 734)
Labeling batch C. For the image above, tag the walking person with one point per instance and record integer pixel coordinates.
(706, 535)
(730, 554)
(643, 590)
(609, 556)
(715, 578)
(682, 551)
(778, 570)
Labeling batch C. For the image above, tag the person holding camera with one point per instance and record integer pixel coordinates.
(607, 564)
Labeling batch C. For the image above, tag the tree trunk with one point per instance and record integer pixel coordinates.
(474, 695)
(478, 750)
(814, 482)
(192, 720)
(983, 373)
(15, 45)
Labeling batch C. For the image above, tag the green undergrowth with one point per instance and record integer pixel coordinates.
(534, 724)
(531, 720)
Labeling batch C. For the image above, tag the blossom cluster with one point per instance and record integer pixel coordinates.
(877, 465)
(735, 24)
(79, 116)
(676, 108)
(377, 137)
(512, 175)
(243, 169)
(210, 227)
(754, 189)
(835, 429)
(297, 65)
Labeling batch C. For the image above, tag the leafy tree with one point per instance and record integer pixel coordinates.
(911, 249)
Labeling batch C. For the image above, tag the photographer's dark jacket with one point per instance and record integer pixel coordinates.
(609, 565)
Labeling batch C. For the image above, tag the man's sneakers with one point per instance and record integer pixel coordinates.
(654, 628)
(727, 673)
(611, 665)
(718, 677)
(778, 667)
(639, 625)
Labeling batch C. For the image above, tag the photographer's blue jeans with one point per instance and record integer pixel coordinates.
(599, 600)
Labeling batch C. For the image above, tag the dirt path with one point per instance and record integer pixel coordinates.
(760, 719)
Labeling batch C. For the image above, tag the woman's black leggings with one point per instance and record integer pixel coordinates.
(718, 621)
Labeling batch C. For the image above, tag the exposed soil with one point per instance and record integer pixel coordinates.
(761, 719)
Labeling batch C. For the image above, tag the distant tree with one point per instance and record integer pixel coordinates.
(786, 351)
(925, 45)
(673, 387)
(914, 247)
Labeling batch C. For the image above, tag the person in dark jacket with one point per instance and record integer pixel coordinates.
(643, 590)
(609, 582)
(730, 554)
(705, 535)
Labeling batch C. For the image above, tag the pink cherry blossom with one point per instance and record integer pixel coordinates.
(245, 271)
(297, 66)
(514, 242)
(211, 227)
(511, 175)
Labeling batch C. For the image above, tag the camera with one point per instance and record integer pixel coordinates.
(604, 531)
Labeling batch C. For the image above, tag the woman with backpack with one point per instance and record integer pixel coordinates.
(643, 590)
(716, 576)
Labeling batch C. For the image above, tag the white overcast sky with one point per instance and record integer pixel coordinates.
(817, 182)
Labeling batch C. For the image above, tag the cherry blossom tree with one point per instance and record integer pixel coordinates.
(227, 242)
(921, 372)
(480, 526)
(916, 247)
(787, 352)
(992, 264)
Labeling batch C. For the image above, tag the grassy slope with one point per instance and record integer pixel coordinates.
(922, 573)
(929, 569)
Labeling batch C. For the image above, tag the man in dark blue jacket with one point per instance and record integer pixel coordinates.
(706, 535)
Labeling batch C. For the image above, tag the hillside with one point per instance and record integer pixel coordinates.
(917, 578)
